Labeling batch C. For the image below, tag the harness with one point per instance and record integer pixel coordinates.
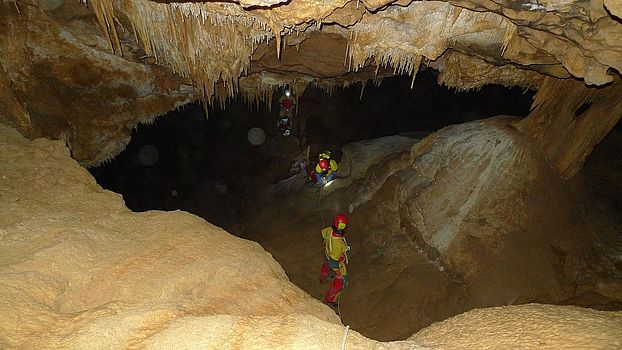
(330, 247)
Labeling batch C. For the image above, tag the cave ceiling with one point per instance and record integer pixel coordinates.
(90, 71)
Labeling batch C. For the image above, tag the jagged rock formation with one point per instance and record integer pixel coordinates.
(471, 216)
(569, 120)
(551, 38)
(57, 79)
(254, 47)
(78, 270)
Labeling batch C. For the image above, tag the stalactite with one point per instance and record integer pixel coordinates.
(567, 133)
(208, 43)
(212, 43)
(404, 52)
(105, 16)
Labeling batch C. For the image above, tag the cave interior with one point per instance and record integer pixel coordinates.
(477, 142)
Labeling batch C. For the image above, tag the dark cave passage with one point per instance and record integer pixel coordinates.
(206, 166)
(488, 218)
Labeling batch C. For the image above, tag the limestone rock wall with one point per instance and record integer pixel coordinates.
(570, 119)
(470, 216)
(59, 80)
(553, 39)
(482, 199)
(62, 77)
(359, 156)
(79, 270)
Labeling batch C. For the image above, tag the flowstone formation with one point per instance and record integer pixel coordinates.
(114, 64)
(555, 38)
(79, 270)
(482, 200)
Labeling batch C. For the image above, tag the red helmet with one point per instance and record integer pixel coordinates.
(340, 222)
(324, 164)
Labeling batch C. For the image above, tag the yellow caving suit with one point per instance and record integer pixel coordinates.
(335, 251)
(333, 167)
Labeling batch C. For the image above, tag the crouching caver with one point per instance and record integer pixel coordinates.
(335, 250)
(325, 170)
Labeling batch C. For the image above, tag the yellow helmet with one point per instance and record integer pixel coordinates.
(324, 155)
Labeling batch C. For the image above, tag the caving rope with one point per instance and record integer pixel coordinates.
(319, 206)
(345, 338)
(330, 248)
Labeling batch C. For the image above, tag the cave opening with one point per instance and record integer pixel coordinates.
(205, 164)
(208, 167)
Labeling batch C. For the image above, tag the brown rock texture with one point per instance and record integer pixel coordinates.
(471, 216)
(570, 119)
(581, 40)
(78, 270)
(482, 199)
(59, 80)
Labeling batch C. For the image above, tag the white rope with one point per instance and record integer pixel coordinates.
(345, 337)
(319, 207)
(330, 250)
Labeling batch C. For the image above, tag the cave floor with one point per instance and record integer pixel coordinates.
(391, 280)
